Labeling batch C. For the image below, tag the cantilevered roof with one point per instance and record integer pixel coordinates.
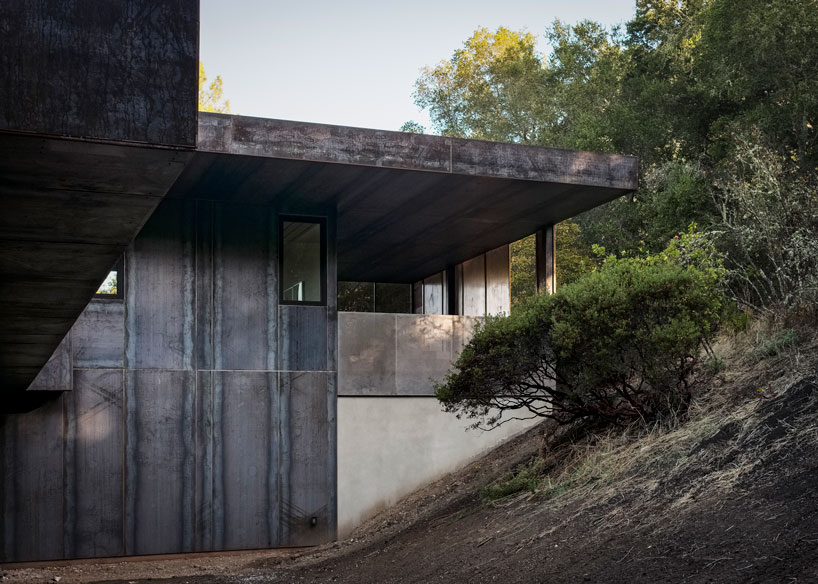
(408, 204)
(70, 207)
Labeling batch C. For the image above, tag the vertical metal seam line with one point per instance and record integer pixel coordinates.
(65, 478)
(188, 395)
(125, 292)
(485, 287)
(212, 364)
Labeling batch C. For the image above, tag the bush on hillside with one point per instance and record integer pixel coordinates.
(618, 345)
(768, 229)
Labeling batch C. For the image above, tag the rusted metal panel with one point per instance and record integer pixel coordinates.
(367, 353)
(98, 336)
(203, 337)
(120, 70)
(433, 294)
(159, 459)
(246, 490)
(304, 469)
(543, 164)
(31, 448)
(417, 297)
(332, 294)
(56, 373)
(498, 293)
(322, 143)
(204, 463)
(303, 338)
(94, 465)
(159, 320)
(245, 287)
(474, 286)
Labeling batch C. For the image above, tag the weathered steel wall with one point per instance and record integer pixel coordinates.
(202, 415)
(116, 70)
(480, 287)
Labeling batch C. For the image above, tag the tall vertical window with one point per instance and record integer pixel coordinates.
(303, 262)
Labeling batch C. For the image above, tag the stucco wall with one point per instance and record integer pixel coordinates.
(391, 446)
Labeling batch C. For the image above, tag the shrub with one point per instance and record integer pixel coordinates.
(768, 229)
(616, 346)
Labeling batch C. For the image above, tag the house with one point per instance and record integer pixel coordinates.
(220, 400)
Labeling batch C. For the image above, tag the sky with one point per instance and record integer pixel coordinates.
(354, 62)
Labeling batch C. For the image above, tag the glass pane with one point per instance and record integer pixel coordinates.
(393, 298)
(356, 296)
(109, 286)
(301, 264)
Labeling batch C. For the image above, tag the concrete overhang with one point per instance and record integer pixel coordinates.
(70, 208)
(408, 204)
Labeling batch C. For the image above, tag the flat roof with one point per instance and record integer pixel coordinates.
(408, 204)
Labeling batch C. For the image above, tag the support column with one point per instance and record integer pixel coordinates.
(546, 263)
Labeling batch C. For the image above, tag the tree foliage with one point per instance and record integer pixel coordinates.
(491, 89)
(211, 97)
(679, 86)
(616, 346)
(768, 227)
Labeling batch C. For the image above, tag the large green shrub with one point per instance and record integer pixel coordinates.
(616, 346)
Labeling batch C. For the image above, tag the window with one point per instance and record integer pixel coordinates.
(113, 288)
(303, 262)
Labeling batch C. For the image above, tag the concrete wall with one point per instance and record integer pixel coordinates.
(393, 437)
(124, 70)
(389, 447)
(397, 354)
(202, 412)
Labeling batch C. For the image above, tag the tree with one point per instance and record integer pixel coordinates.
(491, 89)
(759, 62)
(211, 96)
(412, 127)
(768, 227)
(616, 346)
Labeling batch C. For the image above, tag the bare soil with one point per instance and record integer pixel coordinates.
(730, 496)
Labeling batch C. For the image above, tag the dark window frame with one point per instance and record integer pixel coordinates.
(119, 268)
(322, 227)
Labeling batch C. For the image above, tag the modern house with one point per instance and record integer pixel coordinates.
(219, 400)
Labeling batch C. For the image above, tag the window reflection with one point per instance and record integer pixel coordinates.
(301, 279)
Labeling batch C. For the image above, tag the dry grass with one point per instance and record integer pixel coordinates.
(707, 452)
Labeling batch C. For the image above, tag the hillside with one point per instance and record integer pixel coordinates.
(728, 496)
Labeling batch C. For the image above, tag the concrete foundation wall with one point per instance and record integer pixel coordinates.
(393, 437)
(389, 447)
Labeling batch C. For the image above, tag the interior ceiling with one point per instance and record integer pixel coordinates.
(394, 225)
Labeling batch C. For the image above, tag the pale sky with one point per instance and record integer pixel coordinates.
(354, 62)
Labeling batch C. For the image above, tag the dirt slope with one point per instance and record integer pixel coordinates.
(729, 497)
